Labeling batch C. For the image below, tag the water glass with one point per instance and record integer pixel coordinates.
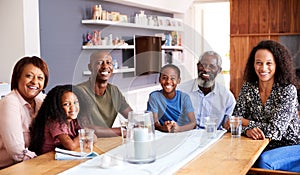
(123, 125)
(211, 127)
(235, 126)
(86, 140)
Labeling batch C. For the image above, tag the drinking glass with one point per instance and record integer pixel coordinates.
(211, 126)
(86, 140)
(235, 126)
(123, 124)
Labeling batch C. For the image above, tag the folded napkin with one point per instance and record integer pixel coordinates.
(62, 154)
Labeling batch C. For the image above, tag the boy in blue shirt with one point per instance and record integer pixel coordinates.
(172, 109)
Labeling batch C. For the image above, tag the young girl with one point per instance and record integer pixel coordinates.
(56, 124)
(172, 109)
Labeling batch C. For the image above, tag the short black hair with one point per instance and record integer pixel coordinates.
(19, 67)
(170, 66)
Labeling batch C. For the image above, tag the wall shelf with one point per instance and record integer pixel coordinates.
(108, 47)
(116, 71)
(171, 47)
(174, 6)
(126, 48)
(133, 25)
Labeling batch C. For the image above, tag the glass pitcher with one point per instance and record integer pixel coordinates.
(140, 138)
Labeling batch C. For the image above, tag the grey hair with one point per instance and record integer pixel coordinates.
(212, 53)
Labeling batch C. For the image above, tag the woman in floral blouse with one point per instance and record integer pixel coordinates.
(268, 104)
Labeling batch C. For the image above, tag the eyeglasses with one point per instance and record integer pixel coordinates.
(209, 66)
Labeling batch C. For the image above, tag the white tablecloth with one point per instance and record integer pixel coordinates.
(173, 150)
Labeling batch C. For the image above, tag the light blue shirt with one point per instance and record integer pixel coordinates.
(175, 109)
(219, 103)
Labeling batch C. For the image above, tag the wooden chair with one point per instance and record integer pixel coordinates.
(261, 171)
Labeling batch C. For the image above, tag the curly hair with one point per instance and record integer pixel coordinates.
(284, 73)
(51, 110)
(19, 67)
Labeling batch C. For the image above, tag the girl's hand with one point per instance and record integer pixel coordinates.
(255, 134)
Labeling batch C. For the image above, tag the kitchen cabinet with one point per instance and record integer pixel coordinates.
(148, 55)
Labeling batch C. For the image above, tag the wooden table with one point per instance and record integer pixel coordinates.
(46, 164)
(227, 156)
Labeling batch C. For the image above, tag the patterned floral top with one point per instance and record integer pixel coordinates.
(278, 118)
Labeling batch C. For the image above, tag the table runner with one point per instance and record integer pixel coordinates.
(173, 150)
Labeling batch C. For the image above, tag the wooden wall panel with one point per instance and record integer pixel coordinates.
(238, 48)
(234, 75)
(255, 20)
(243, 55)
(284, 16)
(234, 17)
(254, 40)
(275, 38)
(243, 8)
(263, 16)
(295, 16)
(254, 16)
(274, 16)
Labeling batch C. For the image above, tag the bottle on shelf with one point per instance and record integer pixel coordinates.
(97, 12)
(168, 40)
(115, 64)
(110, 40)
(141, 18)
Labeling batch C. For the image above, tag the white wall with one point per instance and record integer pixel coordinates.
(12, 36)
(31, 27)
(19, 33)
(191, 42)
(210, 30)
(216, 31)
(216, 26)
